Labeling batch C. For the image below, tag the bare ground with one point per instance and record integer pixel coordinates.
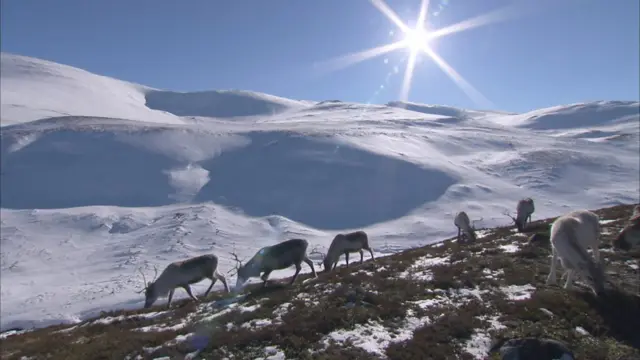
(443, 301)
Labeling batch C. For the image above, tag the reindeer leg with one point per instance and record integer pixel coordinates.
(346, 255)
(295, 276)
(371, 252)
(596, 253)
(459, 232)
(310, 263)
(361, 256)
(213, 281)
(187, 288)
(222, 279)
(170, 297)
(569, 283)
(265, 277)
(551, 279)
(564, 275)
(335, 264)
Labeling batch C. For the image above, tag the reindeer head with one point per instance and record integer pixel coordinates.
(323, 256)
(519, 223)
(150, 291)
(472, 230)
(240, 270)
(596, 276)
(629, 236)
(327, 261)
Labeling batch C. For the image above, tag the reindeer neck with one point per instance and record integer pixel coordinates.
(255, 264)
(162, 284)
(335, 249)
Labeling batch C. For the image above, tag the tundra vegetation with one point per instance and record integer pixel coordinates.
(442, 301)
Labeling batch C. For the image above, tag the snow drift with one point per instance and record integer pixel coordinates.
(34, 89)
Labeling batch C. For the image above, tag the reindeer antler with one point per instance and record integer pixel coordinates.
(143, 280)
(238, 265)
(507, 213)
(315, 251)
(155, 273)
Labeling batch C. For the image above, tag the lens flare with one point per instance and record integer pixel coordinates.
(417, 40)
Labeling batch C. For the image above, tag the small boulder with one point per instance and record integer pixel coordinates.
(532, 349)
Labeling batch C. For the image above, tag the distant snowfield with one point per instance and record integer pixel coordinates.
(101, 177)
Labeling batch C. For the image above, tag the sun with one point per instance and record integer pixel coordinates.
(419, 40)
(416, 40)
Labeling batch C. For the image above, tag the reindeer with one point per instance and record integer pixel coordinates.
(275, 257)
(524, 209)
(629, 236)
(182, 274)
(356, 241)
(570, 235)
(464, 226)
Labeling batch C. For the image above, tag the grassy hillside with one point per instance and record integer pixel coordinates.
(443, 301)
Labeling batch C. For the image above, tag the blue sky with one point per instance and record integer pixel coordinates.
(567, 51)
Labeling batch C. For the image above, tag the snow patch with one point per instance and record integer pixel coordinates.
(518, 292)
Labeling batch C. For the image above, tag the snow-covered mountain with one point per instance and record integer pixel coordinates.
(101, 177)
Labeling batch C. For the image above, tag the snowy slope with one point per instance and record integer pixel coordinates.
(89, 198)
(441, 110)
(582, 115)
(34, 89)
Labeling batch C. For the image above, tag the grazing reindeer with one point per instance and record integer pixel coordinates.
(463, 224)
(275, 257)
(182, 274)
(570, 235)
(356, 241)
(524, 209)
(629, 236)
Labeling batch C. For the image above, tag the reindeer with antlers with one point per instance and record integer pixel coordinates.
(275, 257)
(524, 209)
(182, 274)
(629, 237)
(462, 222)
(356, 241)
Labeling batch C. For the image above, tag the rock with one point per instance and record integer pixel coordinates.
(532, 349)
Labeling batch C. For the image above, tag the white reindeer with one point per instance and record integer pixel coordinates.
(462, 222)
(275, 257)
(524, 209)
(183, 274)
(356, 241)
(570, 235)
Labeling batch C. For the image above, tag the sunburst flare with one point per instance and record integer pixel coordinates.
(417, 40)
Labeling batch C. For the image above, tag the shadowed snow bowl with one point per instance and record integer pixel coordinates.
(318, 182)
(217, 103)
(307, 179)
(125, 167)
